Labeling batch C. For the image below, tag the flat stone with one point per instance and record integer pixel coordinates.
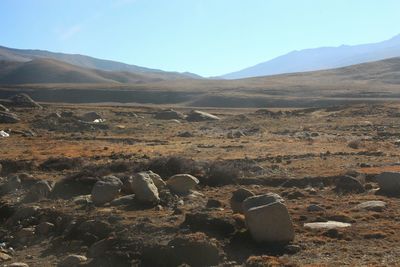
(326, 225)
(374, 205)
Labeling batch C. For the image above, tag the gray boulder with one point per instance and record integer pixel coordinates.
(347, 184)
(389, 183)
(106, 190)
(260, 200)
(145, 189)
(24, 100)
(6, 117)
(182, 183)
(374, 205)
(169, 114)
(270, 223)
(38, 191)
(197, 115)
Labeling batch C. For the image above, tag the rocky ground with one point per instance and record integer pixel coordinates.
(92, 185)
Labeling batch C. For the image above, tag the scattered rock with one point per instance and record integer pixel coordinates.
(260, 200)
(100, 247)
(347, 184)
(270, 223)
(206, 222)
(3, 108)
(315, 208)
(389, 183)
(18, 264)
(237, 199)
(124, 200)
(197, 115)
(185, 134)
(72, 261)
(38, 191)
(24, 100)
(195, 250)
(25, 234)
(213, 203)
(295, 195)
(24, 212)
(91, 116)
(169, 114)
(235, 134)
(145, 189)
(157, 180)
(4, 257)
(106, 190)
(374, 205)
(6, 117)
(44, 228)
(326, 225)
(182, 183)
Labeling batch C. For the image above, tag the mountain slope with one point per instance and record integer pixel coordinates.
(24, 55)
(321, 58)
(53, 71)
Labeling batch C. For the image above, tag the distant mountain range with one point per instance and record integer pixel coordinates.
(321, 59)
(40, 57)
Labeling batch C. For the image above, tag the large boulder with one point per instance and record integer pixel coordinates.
(6, 117)
(347, 184)
(237, 199)
(157, 180)
(260, 200)
(24, 100)
(270, 223)
(169, 114)
(182, 183)
(38, 191)
(197, 115)
(106, 190)
(91, 116)
(389, 183)
(144, 188)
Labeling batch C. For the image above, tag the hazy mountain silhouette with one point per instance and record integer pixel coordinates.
(321, 59)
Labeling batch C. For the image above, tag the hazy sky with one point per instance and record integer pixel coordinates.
(208, 37)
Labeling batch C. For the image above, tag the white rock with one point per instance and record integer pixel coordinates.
(326, 225)
(270, 223)
(144, 188)
(182, 183)
(106, 190)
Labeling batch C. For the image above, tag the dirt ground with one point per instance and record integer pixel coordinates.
(298, 154)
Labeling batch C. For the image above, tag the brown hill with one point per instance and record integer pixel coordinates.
(53, 71)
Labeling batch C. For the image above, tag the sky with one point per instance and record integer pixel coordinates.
(207, 37)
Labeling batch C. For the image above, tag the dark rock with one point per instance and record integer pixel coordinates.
(24, 100)
(205, 222)
(6, 117)
(347, 184)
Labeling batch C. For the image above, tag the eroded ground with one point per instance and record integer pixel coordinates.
(298, 154)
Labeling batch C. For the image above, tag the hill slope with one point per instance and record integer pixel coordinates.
(321, 58)
(24, 55)
(53, 71)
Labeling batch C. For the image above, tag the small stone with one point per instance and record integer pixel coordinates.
(72, 261)
(213, 203)
(124, 200)
(18, 264)
(315, 208)
(4, 257)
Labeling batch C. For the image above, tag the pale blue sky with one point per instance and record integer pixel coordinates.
(208, 37)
